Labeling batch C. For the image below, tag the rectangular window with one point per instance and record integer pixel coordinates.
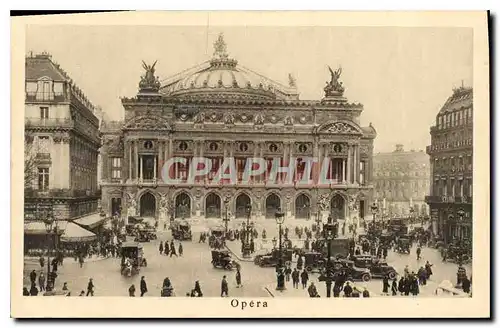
(43, 178)
(44, 112)
(116, 168)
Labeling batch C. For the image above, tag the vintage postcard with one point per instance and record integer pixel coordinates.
(238, 164)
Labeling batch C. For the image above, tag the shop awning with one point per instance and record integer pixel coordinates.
(75, 233)
(38, 227)
(90, 221)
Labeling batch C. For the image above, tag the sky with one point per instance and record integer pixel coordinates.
(401, 75)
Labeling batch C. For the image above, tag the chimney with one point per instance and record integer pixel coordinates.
(399, 148)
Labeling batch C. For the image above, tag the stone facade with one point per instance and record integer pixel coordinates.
(401, 181)
(450, 198)
(61, 140)
(224, 110)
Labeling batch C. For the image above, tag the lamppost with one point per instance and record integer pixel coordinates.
(318, 222)
(412, 211)
(246, 244)
(329, 233)
(226, 218)
(274, 243)
(49, 226)
(280, 218)
(374, 209)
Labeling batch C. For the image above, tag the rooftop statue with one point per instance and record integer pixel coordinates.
(149, 81)
(334, 87)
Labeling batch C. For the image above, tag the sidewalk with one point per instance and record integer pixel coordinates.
(32, 259)
(299, 292)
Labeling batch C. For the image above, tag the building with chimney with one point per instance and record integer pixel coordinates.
(401, 182)
(451, 151)
(61, 148)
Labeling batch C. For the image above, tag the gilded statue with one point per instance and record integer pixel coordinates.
(334, 87)
(149, 80)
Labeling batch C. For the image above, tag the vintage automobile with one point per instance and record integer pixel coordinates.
(222, 259)
(316, 262)
(403, 245)
(458, 254)
(339, 247)
(133, 259)
(348, 268)
(271, 259)
(386, 239)
(181, 230)
(378, 268)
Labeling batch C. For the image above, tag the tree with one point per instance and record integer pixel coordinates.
(30, 164)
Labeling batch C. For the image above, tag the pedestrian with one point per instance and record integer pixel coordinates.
(312, 291)
(144, 286)
(81, 260)
(82, 293)
(33, 290)
(65, 286)
(172, 249)
(394, 287)
(181, 250)
(197, 289)
(55, 262)
(304, 277)
(90, 288)
(336, 290)
(33, 277)
(288, 273)
(428, 269)
(224, 289)
(42, 261)
(26, 292)
(466, 285)
(407, 271)
(131, 291)
(41, 281)
(160, 248)
(166, 248)
(385, 285)
(347, 290)
(295, 278)
(366, 293)
(300, 263)
(355, 292)
(419, 251)
(401, 285)
(422, 276)
(238, 278)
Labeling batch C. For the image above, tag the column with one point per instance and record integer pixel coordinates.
(329, 162)
(343, 171)
(349, 164)
(141, 170)
(254, 179)
(154, 168)
(291, 160)
(200, 154)
(261, 154)
(129, 146)
(136, 162)
(355, 164)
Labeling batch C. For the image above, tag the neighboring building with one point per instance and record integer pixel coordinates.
(401, 181)
(220, 109)
(61, 145)
(450, 153)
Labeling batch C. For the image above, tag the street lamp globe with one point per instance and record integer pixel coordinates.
(279, 216)
(49, 223)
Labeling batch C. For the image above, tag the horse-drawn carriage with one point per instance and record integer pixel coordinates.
(132, 258)
(181, 230)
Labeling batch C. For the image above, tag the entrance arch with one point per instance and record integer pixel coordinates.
(242, 203)
(302, 207)
(273, 202)
(337, 207)
(183, 205)
(213, 206)
(148, 205)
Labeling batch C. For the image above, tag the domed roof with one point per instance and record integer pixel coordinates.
(223, 77)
